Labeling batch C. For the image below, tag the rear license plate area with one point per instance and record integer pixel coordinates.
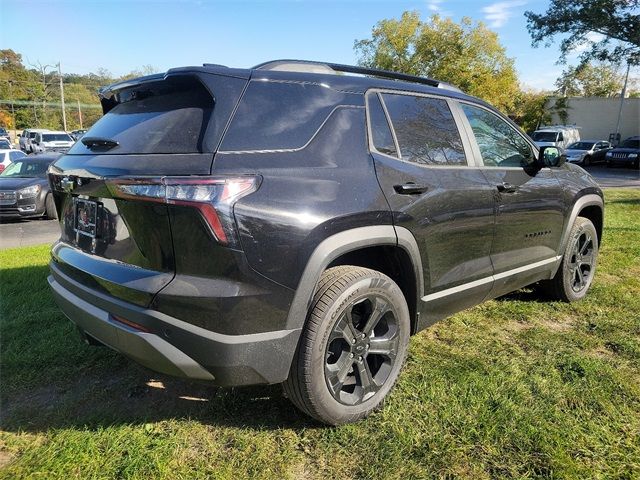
(86, 218)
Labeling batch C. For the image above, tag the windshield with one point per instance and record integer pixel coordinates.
(32, 134)
(580, 146)
(631, 143)
(26, 168)
(56, 137)
(545, 136)
(4, 145)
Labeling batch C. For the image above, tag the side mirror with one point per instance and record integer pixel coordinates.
(551, 157)
(19, 135)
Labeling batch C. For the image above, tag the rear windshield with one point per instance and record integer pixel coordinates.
(161, 117)
(56, 137)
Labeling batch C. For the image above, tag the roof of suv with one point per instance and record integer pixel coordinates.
(339, 77)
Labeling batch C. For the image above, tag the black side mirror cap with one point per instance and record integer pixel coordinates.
(551, 157)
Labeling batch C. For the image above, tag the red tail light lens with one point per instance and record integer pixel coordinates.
(214, 197)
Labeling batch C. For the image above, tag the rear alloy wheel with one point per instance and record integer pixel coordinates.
(352, 348)
(587, 161)
(574, 277)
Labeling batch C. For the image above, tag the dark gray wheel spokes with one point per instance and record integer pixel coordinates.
(361, 350)
(581, 264)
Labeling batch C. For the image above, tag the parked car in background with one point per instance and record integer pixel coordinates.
(560, 136)
(52, 141)
(586, 152)
(8, 155)
(26, 137)
(24, 188)
(5, 144)
(77, 134)
(289, 223)
(627, 153)
(4, 134)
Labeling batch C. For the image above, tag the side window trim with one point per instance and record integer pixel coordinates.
(474, 143)
(393, 130)
(471, 149)
(455, 112)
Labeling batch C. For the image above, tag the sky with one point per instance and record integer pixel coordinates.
(121, 36)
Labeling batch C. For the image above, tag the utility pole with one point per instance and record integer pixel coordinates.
(624, 92)
(79, 113)
(13, 112)
(64, 115)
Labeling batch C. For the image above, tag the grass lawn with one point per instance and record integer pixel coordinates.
(514, 388)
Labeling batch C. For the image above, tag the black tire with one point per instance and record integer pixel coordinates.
(50, 208)
(325, 380)
(586, 161)
(577, 269)
(636, 164)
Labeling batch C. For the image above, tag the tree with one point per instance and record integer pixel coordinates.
(530, 110)
(609, 29)
(466, 55)
(589, 80)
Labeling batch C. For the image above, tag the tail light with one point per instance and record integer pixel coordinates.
(214, 197)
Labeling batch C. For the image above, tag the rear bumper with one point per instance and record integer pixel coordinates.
(172, 346)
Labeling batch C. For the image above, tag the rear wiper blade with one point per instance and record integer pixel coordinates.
(101, 142)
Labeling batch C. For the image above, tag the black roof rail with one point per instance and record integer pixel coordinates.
(337, 67)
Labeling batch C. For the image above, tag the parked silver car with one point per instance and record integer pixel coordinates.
(586, 152)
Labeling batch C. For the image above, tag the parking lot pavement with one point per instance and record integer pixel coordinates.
(615, 177)
(22, 233)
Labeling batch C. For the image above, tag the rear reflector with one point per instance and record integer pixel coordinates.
(129, 323)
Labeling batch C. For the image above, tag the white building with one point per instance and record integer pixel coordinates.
(598, 116)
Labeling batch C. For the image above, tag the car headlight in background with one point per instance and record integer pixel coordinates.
(608, 154)
(633, 155)
(29, 192)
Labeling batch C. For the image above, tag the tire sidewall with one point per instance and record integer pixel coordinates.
(581, 226)
(326, 405)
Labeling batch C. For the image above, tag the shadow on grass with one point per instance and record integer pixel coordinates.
(530, 294)
(625, 201)
(52, 380)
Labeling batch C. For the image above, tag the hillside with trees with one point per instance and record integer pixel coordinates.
(31, 94)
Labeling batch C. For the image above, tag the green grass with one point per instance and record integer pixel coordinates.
(514, 388)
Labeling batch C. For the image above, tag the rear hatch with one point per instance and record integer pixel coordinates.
(115, 188)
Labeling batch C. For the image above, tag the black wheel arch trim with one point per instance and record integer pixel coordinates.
(344, 242)
(586, 200)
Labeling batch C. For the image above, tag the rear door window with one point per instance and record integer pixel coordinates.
(426, 131)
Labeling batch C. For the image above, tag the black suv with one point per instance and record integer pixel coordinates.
(627, 153)
(296, 223)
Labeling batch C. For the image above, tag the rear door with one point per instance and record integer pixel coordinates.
(427, 173)
(529, 202)
(116, 234)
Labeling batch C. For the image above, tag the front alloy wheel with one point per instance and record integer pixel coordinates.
(577, 268)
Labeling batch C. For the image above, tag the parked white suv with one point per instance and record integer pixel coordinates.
(52, 142)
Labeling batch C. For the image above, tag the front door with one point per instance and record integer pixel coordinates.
(530, 201)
